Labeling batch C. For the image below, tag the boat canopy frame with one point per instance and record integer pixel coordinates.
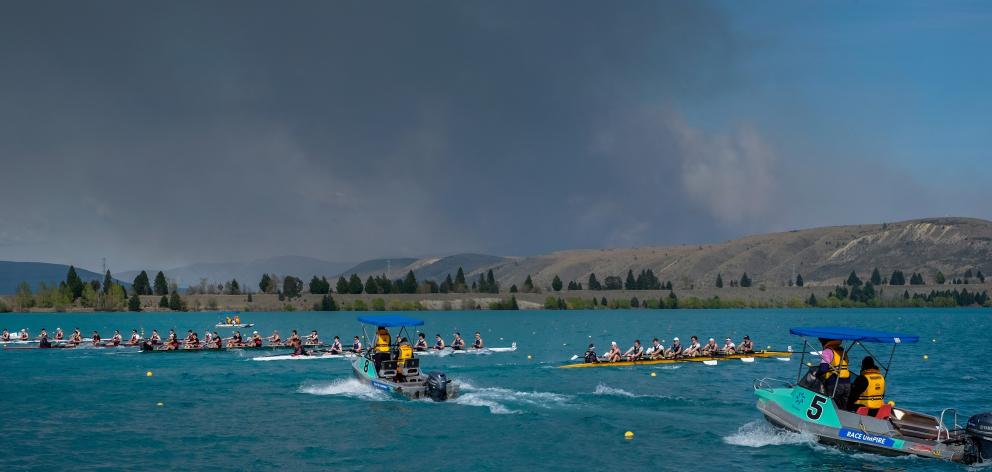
(386, 321)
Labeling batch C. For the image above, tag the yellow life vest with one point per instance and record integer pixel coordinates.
(838, 365)
(406, 352)
(382, 341)
(872, 396)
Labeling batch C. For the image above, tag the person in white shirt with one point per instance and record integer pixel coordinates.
(729, 347)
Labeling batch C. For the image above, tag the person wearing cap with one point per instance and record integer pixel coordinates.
(275, 339)
(868, 389)
(313, 339)
(591, 357)
(746, 346)
(728, 347)
(693, 349)
(675, 350)
(478, 344)
(614, 355)
(710, 349)
(833, 372)
(256, 340)
(656, 350)
(635, 352)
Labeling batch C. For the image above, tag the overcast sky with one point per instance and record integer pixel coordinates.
(157, 134)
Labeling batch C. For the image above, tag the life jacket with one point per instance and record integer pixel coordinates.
(872, 396)
(406, 352)
(838, 365)
(382, 341)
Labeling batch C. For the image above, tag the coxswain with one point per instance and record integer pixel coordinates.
(336, 347)
(5, 335)
(746, 346)
(356, 346)
(256, 340)
(694, 349)
(155, 338)
(421, 343)
(635, 352)
(868, 389)
(313, 339)
(590, 356)
(43, 340)
(833, 372)
(728, 347)
(614, 355)
(59, 334)
(458, 343)
(656, 350)
(134, 338)
(275, 339)
(675, 351)
(381, 347)
(438, 342)
(477, 344)
(710, 349)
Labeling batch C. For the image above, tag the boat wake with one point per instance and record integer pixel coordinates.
(759, 433)
(350, 388)
(502, 401)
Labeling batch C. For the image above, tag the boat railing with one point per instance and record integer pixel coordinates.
(769, 383)
(942, 428)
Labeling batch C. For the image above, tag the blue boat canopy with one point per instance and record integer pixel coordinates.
(390, 321)
(855, 334)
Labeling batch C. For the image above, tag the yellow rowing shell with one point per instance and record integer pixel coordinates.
(750, 355)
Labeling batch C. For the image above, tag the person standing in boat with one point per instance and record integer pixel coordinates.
(421, 342)
(438, 342)
(382, 346)
(833, 372)
(868, 389)
(404, 352)
(746, 346)
(477, 344)
(458, 343)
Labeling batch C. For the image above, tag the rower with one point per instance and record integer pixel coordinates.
(656, 350)
(356, 346)
(256, 340)
(710, 349)
(43, 342)
(746, 346)
(833, 372)
(675, 350)
(477, 344)
(298, 348)
(728, 347)
(421, 342)
(438, 342)
(458, 343)
(96, 338)
(43, 333)
(313, 339)
(292, 336)
(591, 357)
(171, 341)
(24, 334)
(134, 338)
(237, 319)
(218, 341)
(76, 337)
(380, 350)
(59, 334)
(694, 349)
(236, 340)
(336, 346)
(275, 339)
(208, 338)
(192, 341)
(635, 352)
(155, 338)
(868, 389)
(614, 355)
(5, 335)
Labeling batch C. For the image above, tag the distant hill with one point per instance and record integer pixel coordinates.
(431, 268)
(13, 273)
(246, 272)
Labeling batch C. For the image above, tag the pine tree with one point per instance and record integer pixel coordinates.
(528, 284)
(630, 283)
(371, 287)
(513, 303)
(812, 300)
(355, 286)
(799, 280)
(236, 287)
(108, 282)
(410, 283)
(265, 285)
(175, 303)
(343, 286)
(74, 283)
(853, 280)
(745, 280)
(981, 277)
(141, 284)
(447, 285)
(460, 279)
(556, 283)
(593, 283)
(876, 277)
(163, 302)
(719, 281)
(134, 304)
(673, 300)
(968, 274)
(603, 302)
(897, 278)
(161, 285)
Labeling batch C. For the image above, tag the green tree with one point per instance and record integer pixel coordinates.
(161, 285)
(981, 277)
(108, 282)
(410, 283)
(799, 280)
(673, 300)
(265, 285)
(556, 283)
(528, 285)
(745, 280)
(371, 287)
(603, 301)
(448, 285)
(235, 287)
(141, 284)
(74, 283)
(719, 281)
(292, 286)
(134, 304)
(491, 284)
(876, 277)
(513, 288)
(630, 283)
(355, 286)
(594, 284)
(897, 278)
(853, 280)
(327, 304)
(343, 285)
(163, 302)
(23, 297)
(812, 301)
(460, 284)
(175, 303)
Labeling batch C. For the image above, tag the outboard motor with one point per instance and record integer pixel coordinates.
(437, 386)
(979, 431)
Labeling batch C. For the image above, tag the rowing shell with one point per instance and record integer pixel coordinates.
(708, 360)
(314, 356)
(447, 351)
(242, 325)
(271, 347)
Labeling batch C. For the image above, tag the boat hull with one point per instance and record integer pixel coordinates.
(414, 388)
(784, 355)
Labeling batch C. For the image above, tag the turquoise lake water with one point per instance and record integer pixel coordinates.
(91, 409)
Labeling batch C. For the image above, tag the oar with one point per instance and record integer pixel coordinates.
(747, 360)
(710, 362)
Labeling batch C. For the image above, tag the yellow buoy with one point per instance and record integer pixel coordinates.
(148, 374)
(892, 403)
(925, 357)
(628, 435)
(530, 356)
(160, 404)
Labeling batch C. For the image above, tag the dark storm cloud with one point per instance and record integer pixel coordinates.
(161, 133)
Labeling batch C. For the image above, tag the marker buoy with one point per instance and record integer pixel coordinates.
(934, 340)
(925, 357)
(529, 356)
(654, 374)
(160, 404)
(628, 435)
(148, 374)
